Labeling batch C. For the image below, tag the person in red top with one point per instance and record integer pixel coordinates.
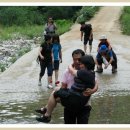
(104, 41)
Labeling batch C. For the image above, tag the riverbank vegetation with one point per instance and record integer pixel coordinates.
(125, 20)
(28, 23)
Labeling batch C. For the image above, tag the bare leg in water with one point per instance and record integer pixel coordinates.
(52, 102)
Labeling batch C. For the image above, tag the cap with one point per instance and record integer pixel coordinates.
(103, 37)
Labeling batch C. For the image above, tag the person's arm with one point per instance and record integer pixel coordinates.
(90, 91)
(41, 56)
(60, 55)
(109, 45)
(72, 70)
(98, 46)
(91, 34)
(81, 35)
(52, 55)
(46, 26)
(64, 80)
(110, 61)
(97, 56)
(55, 26)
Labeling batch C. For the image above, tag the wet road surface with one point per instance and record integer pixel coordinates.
(21, 96)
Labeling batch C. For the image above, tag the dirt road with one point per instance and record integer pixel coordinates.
(18, 84)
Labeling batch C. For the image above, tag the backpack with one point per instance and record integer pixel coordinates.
(89, 26)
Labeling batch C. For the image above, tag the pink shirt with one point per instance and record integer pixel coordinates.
(68, 79)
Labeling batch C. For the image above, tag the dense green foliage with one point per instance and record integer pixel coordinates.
(86, 13)
(125, 20)
(28, 22)
(19, 15)
(18, 21)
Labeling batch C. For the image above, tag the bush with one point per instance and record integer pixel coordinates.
(63, 26)
(2, 67)
(125, 20)
(86, 13)
(26, 15)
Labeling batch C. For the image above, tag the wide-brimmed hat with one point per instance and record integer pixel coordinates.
(103, 37)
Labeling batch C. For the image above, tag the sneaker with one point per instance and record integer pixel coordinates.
(50, 86)
(41, 111)
(44, 118)
(39, 84)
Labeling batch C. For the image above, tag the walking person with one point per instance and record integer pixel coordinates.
(70, 116)
(50, 27)
(57, 56)
(86, 32)
(45, 58)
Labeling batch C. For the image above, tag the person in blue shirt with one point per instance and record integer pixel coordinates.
(109, 56)
(57, 56)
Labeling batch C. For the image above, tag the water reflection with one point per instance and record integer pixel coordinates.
(110, 110)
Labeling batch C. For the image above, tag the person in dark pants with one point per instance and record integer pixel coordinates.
(80, 116)
(107, 57)
(74, 117)
(45, 58)
(86, 32)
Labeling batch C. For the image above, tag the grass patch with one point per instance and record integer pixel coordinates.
(63, 26)
(2, 67)
(125, 20)
(31, 31)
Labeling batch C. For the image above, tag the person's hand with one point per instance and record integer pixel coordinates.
(42, 57)
(90, 38)
(81, 39)
(106, 66)
(60, 61)
(88, 92)
(53, 61)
